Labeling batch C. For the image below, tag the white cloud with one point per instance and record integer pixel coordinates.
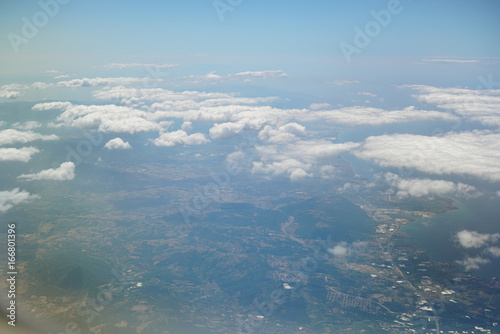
(474, 105)
(475, 153)
(494, 251)
(340, 249)
(471, 263)
(64, 173)
(366, 94)
(427, 187)
(41, 85)
(292, 168)
(344, 249)
(320, 106)
(170, 100)
(117, 144)
(472, 239)
(286, 133)
(12, 91)
(226, 130)
(187, 126)
(29, 125)
(342, 82)
(263, 74)
(327, 172)
(298, 159)
(52, 106)
(92, 82)
(13, 197)
(209, 78)
(444, 60)
(180, 137)
(11, 136)
(105, 118)
(247, 76)
(62, 76)
(359, 115)
(17, 154)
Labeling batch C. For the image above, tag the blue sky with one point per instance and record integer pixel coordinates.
(296, 34)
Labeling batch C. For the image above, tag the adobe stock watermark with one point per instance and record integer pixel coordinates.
(83, 148)
(210, 192)
(30, 28)
(222, 6)
(155, 75)
(372, 29)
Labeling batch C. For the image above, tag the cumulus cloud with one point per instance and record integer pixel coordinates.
(262, 74)
(187, 126)
(170, 100)
(92, 82)
(481, 105)
(29, 125)
(52, 106)
(298, 159)
(41, 85)
(190, 106)
(226, 130)
(105, 118)
(11, 136)
(13, 197)
(427, 187)
(180, 137)
(475, 153)
(472, 239)
(62, 76)
(17, 154)
(286, 133)
(247, 76)
(494, 251)
(117, 144)
(472, 263)
(292, 168)
(359, 115)
(320, 106)
(340, 249)
(12, 91)
(345, 249)
(209, 78)
(65, 172)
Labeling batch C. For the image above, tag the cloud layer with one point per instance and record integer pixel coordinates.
(427, 187)
(117, 144)
(471, 239)
(475, 153)
(480, 105)
(10, 198)
(17, 154)
(64, 173)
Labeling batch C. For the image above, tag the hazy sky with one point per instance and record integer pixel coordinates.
(300, 36)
